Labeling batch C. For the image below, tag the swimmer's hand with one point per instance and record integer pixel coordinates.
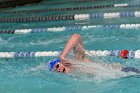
(65, 61)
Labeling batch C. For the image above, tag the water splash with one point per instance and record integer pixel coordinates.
(97, 70)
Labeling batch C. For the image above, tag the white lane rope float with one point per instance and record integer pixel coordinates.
(115, 53)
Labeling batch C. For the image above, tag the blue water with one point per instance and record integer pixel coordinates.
(31, 75)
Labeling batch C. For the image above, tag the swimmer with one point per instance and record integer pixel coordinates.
(75, 43)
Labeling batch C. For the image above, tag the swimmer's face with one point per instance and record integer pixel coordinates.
(60, 67)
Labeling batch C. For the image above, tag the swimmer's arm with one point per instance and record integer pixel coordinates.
(76, 38)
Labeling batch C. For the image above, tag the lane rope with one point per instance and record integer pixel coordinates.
(73, 1)
(74, 28)
(71, 8)
(76, 17)
(114, 53)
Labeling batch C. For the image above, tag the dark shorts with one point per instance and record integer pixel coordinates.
(130, 69)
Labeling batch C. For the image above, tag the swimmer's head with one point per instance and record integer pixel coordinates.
(57, 65)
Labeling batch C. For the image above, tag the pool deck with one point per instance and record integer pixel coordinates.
(13, 3)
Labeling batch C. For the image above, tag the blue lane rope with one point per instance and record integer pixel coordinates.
(114, 53)
(75, 17)
(74, 28)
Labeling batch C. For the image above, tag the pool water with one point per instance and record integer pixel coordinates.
(32, 75)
